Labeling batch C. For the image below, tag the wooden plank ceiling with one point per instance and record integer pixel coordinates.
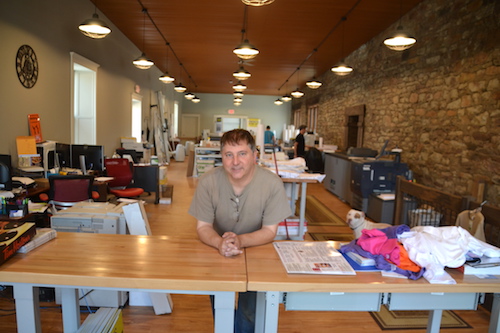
(202, 34)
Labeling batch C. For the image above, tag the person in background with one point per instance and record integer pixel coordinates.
(299, 147)
(269, 138)
(239, 205)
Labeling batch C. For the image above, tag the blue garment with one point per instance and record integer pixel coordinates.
(268, 137)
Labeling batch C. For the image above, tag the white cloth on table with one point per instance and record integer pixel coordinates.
(435, 248)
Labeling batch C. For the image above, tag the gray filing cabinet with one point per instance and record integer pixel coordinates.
(338, 175)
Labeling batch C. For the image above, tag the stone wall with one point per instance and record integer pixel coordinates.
(438, 101)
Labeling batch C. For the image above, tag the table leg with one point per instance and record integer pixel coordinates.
(271, 312)
(70, 309)
(434, 322)
(260, 312)
(495, 315)
(224, 311)
(27, 308)
(302, 216)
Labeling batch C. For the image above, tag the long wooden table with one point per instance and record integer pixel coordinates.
(121, 262)
(365, 291)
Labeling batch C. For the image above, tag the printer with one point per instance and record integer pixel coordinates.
(91, 217)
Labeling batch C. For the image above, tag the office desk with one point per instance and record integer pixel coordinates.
(267, 276)
(121, 262)
(302, 211)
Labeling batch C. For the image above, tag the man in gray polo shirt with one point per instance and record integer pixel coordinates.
(239, 205)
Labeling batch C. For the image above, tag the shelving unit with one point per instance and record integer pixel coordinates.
(205, 158)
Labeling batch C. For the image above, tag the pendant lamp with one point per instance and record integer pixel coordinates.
(286, 98)
(94, 27)
(314, 84)
(257, 3)
(239, 87)
(238, 94)
(245, 50)
(342, 69)
(401, 40)
(242, 74)
(189, 96)
(143, 62)
(195, 99)
(278, 102)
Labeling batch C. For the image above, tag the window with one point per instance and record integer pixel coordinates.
(137, 117)
(296, 118)
(312, 118)
(83, 84)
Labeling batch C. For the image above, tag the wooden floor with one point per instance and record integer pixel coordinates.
(192, 313)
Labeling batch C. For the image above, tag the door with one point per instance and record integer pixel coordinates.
(190, 126)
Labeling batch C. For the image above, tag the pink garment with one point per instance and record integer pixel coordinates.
(376, 242)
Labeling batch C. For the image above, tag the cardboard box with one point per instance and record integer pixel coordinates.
(13, 235)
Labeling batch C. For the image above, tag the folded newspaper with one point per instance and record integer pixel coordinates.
(312, 258)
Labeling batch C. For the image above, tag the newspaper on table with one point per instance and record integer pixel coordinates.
(312, 258)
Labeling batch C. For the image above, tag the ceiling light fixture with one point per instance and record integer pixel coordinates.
(143, 62)
(245, 50)
(238, 94)
(314, 84)
(238, 99)
(342, 68)
(189, 96)
(195, 99)
(94, 27)
(286, 98)
(242, 74)
(237, 103)
(239, 87)
(257, 3)
(166, 78)
(401, 40)
(297, 93)
(180, 88)
(278, 102)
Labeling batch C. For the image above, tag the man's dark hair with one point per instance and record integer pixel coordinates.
(238, 136)
(301, 127)
(268, 127)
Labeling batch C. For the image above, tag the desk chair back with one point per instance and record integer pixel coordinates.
(65, 191)
(122, 172)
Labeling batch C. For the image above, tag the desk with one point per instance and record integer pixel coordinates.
(302, 212)
(121, 262)
(267, 276)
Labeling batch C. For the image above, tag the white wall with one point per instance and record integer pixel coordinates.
(253, 106)
(50, 27)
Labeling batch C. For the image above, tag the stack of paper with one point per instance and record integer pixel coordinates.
(104, 320)
(43, 235)
(487, 265)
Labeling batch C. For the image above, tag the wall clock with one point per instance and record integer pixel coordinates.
(26, 66)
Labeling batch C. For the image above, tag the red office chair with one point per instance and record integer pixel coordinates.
(122, 172)
(65, 191)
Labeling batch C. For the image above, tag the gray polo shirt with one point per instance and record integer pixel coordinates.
(262, 202)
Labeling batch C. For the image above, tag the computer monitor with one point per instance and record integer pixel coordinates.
(93, 155)
(63, 151)
(5, 173)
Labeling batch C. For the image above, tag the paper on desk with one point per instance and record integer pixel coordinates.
(104, 179)
(312, 258)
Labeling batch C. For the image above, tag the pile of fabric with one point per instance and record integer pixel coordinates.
(421, 251)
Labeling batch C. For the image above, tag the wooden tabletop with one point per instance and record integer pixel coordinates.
(128, 262)
(266, 273)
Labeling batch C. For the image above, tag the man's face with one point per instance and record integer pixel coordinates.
(238, 160)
